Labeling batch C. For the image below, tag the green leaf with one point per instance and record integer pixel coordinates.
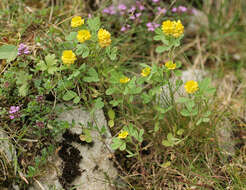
(71, 36)
(114, 103)
(167, 143)
(99, 103)
(111, 123)
(111, 52)
(111, 114)
(161, 49)
(76, 100)
(116, 143)
(83, 50)
(94, 24)
(8, 52)
(93, 76)
(146, 98)
(69, 95)
(41, 66)
(123, 146)
(183, 100)
(110, 91)
(185, 112)
(180, 131)
(178, 73)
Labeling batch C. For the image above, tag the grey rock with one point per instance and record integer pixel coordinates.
(189, 74)
(98, 171)
(7, 150)
(197, 21)
(224, 137)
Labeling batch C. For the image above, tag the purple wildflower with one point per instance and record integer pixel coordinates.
(23, 49)
(155, 1)
(132, 17)
(140, 6)
(161, 10)
(110, 10)
(152, 26)
(132, 9)
(174, 9)
(138, 15)
(125, 28)
(14, 112)
(182, 9)
(122, 7)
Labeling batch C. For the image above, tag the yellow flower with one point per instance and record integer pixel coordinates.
(170, 65)
(68, 57)
(83, 35)
(146, 72)
(77, 21)
(104, 38)
(124, 80)
(173, 28)
(191, 86)
(123, 135)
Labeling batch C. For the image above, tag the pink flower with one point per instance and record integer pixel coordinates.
(125, 28)
(155, 1)
(122, 7)
(161, 10)
(174, 9)
(23, 49)
(152, 26)
(182, 9)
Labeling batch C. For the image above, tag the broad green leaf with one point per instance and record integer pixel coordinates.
(69, 95)
(8, 52)
(110, 91)
(111, 114)
(123, 146)
(161, 49)
(185, 112)
(111, 123)
(183, 100)
(99, 103)
(167, 143)
(94, 24)
(180, 131)
(76, 100)
(71, 36)
(93, 76)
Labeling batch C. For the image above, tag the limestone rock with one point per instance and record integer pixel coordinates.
(189, 74)
(7, 149)
(96, 171)
(197, 21)
(224, 137)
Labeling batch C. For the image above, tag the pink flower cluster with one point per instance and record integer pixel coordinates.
(180, 9)
(14, 112)
(23, 49)
(152, 26)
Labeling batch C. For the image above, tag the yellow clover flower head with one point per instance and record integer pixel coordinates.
(191, 86)
(104, 37)
(170, 65)
(123, 135)
(83, 35)
(68, 57)
(77, 21)
(146, 71)
(124, 80)
(173, 28)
